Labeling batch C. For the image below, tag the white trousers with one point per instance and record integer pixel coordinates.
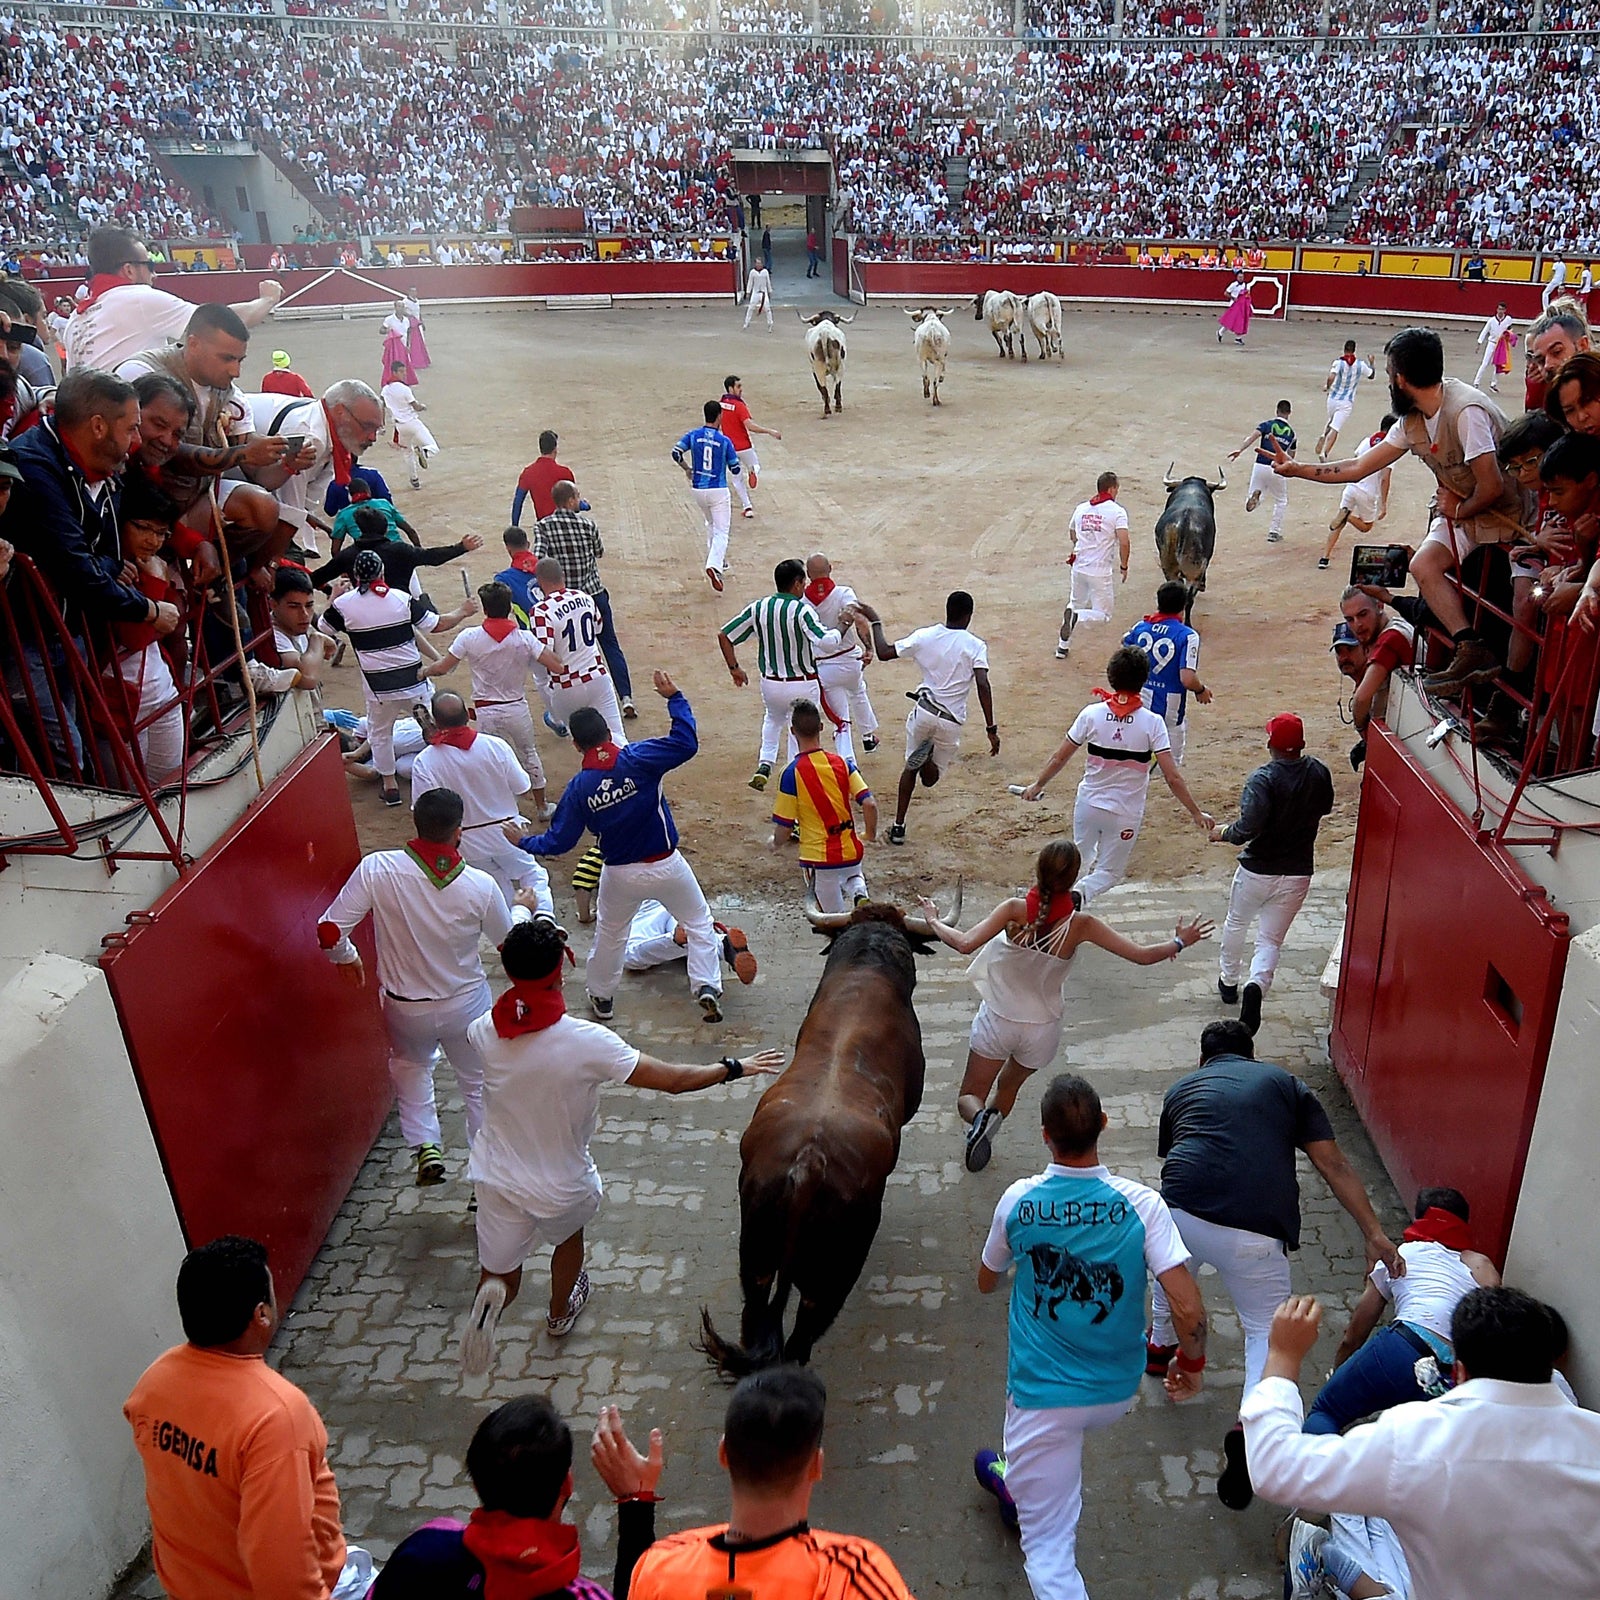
(1264, 481)
(1105, 839)
(844, 689)
(1177, 732)
(1486, 366)
(1044, 1473)
(417, 436)
(597, 692)
(778, 696)
(1254, 1270)
(650, 942)
(623, 889)
(161, 744)
(419, 1027)
(836, 887)
(746, 480)
(487, 848)
(755, 304)
(381, 718)
(1093, 593)
(513, 722)
(1273, 899)
(717, 511)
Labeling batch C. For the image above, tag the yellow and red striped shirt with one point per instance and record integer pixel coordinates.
(815, 795)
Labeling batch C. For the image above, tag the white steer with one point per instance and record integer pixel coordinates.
(1044, 318)
(931, 340)
(1003, 312)
(826, 347)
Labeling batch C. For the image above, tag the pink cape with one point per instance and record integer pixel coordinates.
(394, 349)
(1236, 319)
(417, 349)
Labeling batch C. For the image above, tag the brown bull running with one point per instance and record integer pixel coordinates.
(825, 1137)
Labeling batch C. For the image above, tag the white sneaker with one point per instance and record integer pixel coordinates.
(560, 1327)
(1304, 1570)
(477, 1338)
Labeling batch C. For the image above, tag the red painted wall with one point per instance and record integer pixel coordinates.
(1442, 928)
(263, 1073)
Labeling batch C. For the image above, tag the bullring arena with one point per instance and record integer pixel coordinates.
(568, 195)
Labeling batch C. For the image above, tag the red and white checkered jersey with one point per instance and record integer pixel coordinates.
(568, 623)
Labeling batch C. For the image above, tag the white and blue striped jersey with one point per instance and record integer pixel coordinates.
(1172, 647)
(1346, 375)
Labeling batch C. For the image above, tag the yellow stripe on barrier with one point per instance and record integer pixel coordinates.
(1416, 264)
(1335, 260)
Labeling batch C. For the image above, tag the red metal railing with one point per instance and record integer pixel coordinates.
(68, 720)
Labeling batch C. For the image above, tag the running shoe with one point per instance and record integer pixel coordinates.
(736, 952)
(989, 1468)
(1307, 1578)
(758, 779)
(710, 1005)
(1234, 1488)
(477, 1338)
(600, 1009)
(559, 729)
(430, 1165)
(715, 578)
(1228, 991)
(391, 797)
(980, 1138)
(897, 833)
(629, 709)
(869, 742)
(1250, 1008)
(918, 758)
(749, 511)
(560, 1327)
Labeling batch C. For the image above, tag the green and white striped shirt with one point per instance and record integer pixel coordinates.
(785, 630)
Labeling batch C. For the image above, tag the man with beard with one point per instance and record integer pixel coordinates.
(1453, 430)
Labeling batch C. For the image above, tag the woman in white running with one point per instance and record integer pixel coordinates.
(1024, 950)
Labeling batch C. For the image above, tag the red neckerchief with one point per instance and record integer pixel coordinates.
(342, 459)
(1438, 1226)
(1349, 361)
(1121, 703)
(819, 589)
(1165, 616)
(499, 628)
(459, 738)
(1100, 499)
(1052, 916)
(524, 561)
(441, 863)
(531, 1004)
(101, 283)
(377, 587)
(602, 757)
(522, 1556)
(77, 461)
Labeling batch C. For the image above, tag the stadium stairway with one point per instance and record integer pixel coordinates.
(957, 170)
(1339, 216)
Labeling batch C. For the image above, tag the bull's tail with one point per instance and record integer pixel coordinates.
(766, 1276)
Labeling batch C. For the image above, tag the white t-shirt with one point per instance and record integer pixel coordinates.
(499, 666)
(568, 623)
(401, 401)
(1435, 1283)
(832, 603)
(289, 644)
(487, 776)
(1473, 427)
(1097, 527)
(541, 1102)
(123, 322)
(947, 657)
(1119, 755)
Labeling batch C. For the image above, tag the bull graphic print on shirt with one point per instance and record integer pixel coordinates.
(1060, 1277)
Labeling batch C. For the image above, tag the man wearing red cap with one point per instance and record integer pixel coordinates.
(1280, 810)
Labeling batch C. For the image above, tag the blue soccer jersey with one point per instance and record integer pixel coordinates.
(1172, 647)
(710, 456)
(1084, 1244)
(1275, 428)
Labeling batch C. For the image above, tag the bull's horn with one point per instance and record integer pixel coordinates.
(1169, 482)
(824, 921)
(851, 318)
(801, 315)
(921, 925)
(1222, 480)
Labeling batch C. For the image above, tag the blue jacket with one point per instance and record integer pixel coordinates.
(620, 800)
(76, 544)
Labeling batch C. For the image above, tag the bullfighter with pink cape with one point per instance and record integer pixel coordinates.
(1236, 319)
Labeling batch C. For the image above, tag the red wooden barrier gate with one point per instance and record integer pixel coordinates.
(263, 1074)
(1448, 989)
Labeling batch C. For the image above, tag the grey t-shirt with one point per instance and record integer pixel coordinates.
(1228, 1137)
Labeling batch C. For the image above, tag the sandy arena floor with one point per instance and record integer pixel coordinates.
(909, 502)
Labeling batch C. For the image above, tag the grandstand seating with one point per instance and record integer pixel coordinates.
(400, 133)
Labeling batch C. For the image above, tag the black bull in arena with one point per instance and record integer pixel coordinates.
(825, 1137)
(1186, 531)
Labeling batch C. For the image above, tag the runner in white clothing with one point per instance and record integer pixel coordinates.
(1099, 529)
(1124, 737)
(501, 656)
(841, 673)
(403, 405)
(429, 911)
(484, 771)
(1024, 951)
(1365, 504)
(758, 293)
(566, 624)
(534, 1177)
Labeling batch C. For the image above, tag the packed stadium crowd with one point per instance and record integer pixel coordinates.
(1109, 140)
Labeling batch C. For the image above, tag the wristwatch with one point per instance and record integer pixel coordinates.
(735, 1068)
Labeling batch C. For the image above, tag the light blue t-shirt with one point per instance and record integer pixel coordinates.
(1084, 1244)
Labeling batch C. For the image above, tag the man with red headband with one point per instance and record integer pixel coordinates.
(534, 1177)
(1280, 811)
